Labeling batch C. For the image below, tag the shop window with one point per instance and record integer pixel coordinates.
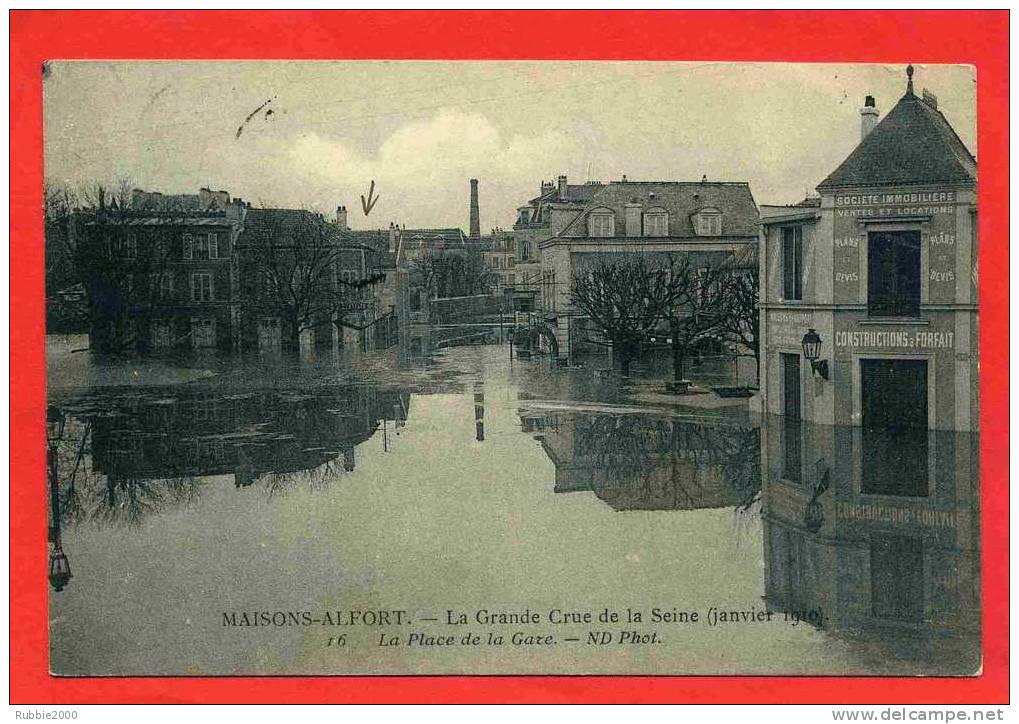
(893, 274)
(792, 263)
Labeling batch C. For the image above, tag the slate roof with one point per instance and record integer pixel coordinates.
(575, 193)
(435, 238)
(913, 144)
(681, 199)
(376, 239)
(260, 223)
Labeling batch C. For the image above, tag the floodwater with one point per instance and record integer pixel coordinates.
(319, 518)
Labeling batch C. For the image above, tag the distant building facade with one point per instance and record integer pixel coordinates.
(207, 272)
(498, 251)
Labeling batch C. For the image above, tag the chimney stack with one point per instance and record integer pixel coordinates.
(562, 188)
(475, 212)
(394, 232)
(341, 218)
(868, 117)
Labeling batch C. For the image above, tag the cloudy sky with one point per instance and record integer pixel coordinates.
(422, 129)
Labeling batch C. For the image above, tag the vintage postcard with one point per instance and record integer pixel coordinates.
(477, 368)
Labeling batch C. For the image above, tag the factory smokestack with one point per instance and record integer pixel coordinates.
(475, 212)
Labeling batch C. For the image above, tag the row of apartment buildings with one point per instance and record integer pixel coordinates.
(207, 271)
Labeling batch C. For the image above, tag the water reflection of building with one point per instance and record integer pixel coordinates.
(641, 462)
(133, 454)
(889, 552)
(245, 434)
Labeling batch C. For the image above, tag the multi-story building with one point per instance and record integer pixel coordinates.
(869, 378)
(498, 251)
(883, 268)
(163, 273)
(534, 224)
(313, 283)
(701, 223)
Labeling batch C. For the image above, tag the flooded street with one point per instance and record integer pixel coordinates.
(191, 498)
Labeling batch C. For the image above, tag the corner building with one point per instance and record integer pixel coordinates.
(885, 270)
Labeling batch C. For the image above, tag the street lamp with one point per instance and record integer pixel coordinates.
(60, 569)
(812, 351)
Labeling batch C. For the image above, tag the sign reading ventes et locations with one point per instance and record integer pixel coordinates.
(937, 210)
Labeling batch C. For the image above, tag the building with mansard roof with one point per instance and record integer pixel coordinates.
(702, 222)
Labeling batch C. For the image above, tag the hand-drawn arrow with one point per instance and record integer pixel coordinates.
(370, 203)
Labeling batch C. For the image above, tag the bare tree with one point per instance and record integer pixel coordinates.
(738, 289)
(630, 300)
(101, 276)
(451, 274)
(292, 262)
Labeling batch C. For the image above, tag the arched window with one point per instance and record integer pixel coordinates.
(656, 222)
(708, 222)
(601, 222)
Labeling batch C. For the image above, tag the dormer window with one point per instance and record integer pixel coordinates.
(656, 222)
(708, 222)
(602, 223)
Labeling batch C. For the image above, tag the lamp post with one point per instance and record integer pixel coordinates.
(812, 351)
(59, 572)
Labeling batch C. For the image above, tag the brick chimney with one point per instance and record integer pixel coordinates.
(341, 217)
(868, 117)
(475, 211)
(562, 188)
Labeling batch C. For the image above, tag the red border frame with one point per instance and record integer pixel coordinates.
(976, 37)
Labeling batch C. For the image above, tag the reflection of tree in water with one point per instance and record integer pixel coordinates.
(278, 485)
(129, 501)
(88, 495)
(670, 463)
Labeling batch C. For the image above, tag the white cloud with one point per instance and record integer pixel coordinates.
(421, 171)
